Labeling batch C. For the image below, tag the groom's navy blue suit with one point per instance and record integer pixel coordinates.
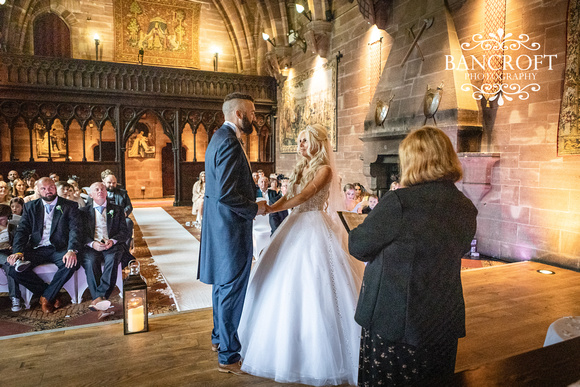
(226, 236)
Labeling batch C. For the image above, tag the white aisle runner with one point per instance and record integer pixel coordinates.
(176, 253)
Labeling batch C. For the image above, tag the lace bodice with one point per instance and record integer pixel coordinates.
(317, 202)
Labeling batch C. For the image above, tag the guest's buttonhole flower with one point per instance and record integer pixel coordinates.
(59, 208)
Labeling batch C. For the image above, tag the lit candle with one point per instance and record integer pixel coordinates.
(136, 317)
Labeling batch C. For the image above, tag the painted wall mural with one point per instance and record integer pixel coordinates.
(308, 98)
(166, 30)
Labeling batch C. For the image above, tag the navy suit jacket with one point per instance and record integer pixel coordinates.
(116, 224)
(276, 218)
(65, 230)
(228, 210)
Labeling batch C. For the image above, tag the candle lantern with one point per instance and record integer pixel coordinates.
(135, 301)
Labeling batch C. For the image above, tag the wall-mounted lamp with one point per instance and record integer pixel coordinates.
(141, 55)
(294, 38)
(215, 61)
(300, 9)
(266, 37)
(97, 46)
(2, 2)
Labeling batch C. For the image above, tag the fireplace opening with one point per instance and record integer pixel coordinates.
(384, 171)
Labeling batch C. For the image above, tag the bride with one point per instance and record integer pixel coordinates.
(297, 325)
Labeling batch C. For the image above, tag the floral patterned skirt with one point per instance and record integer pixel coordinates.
(388, 363)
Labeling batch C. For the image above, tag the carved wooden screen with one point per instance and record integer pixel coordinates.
(51, 36)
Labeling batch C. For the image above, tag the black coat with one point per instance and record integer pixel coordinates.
(65, 230)
(413, 242)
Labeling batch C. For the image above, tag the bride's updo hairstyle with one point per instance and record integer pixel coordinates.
(426, 155)
(317, 136)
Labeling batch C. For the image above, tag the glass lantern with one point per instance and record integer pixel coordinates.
(135, 301)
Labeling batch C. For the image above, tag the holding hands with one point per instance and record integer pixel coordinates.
(263, 208)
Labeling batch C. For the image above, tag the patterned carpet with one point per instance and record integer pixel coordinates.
(33, 319)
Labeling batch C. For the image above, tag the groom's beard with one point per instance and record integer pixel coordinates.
(247, 126)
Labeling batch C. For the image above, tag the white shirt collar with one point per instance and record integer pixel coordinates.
(233, 127)
(51, 203)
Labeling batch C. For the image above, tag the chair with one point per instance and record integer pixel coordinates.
(4, 284)
(46, 272)
(82, 283)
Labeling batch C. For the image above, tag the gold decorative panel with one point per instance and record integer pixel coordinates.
(166, 30)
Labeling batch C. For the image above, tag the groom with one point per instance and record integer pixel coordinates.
(226, 234)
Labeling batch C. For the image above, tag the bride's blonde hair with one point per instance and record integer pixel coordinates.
(317, 137)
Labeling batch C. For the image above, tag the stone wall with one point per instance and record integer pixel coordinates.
(532, 210)
(529, 208)
(87, 18)
(351, 35)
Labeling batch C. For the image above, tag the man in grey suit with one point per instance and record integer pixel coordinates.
(226, 240)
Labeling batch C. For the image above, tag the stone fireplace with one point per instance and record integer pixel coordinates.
(408, 73)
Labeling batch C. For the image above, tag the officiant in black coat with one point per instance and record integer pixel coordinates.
(411, 303)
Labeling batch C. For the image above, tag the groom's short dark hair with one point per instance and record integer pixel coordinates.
(237, 95)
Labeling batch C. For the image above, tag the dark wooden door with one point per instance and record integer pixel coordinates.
(51, 36)
(168, 169)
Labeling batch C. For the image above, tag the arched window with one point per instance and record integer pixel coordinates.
(51, 36)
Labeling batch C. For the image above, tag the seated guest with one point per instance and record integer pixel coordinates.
(35, 195)
(19, 188)
(274, 183)
(6, 234)
(119, 197)
(350, 201)
(12, 175)
(74, 192)
(361, 192)
(16, 206)
(104, 234)
(4, 194)
(272, 197)
(394, 185)
(54, 177)
(48, 233)
(373, 201)
(255, 177)
(30, 178)
(283, 190)
(197, 196)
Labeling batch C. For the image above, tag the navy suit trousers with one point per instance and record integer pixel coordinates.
(39, 256)
(102, 283)
(228, 302)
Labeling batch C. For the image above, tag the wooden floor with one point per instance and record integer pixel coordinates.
(509, 309)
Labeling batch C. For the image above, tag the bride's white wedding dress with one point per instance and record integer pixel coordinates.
(297, 325)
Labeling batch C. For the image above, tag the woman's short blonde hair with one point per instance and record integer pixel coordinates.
(427, 154)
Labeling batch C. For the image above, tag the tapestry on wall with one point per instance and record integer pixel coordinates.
(166, 30)
(569, 125)
(308, 98)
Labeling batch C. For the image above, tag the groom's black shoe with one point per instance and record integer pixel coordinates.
(215, 347)
(234, 368)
